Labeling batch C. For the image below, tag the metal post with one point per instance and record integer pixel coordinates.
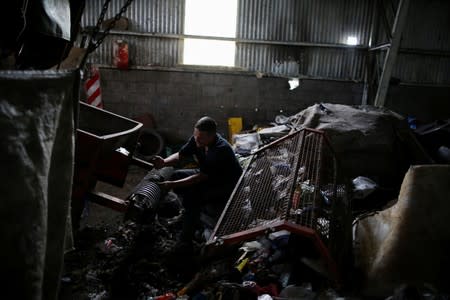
(391, 55)
(368, 71)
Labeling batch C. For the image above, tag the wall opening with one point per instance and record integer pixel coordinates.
(352, 40)
(211, 18)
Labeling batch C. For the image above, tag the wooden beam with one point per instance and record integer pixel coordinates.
(108, 200)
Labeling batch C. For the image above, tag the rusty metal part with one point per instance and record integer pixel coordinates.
(104, 147)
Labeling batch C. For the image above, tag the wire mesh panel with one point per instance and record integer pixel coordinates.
(292, 184)
(291, 180)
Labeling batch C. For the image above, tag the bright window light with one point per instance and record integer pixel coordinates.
(209, 52)
(352, 40)
(210, 18)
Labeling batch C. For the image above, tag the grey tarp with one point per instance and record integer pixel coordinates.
(36, 167)
(368, 141)
(409, 243)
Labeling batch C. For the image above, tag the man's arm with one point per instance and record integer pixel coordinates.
(160, 162)
(187, 181)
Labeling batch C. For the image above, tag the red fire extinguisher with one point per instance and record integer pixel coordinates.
(120, 56)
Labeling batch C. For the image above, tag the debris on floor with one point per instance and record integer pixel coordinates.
(286, 232)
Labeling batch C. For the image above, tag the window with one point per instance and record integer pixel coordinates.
(212, 18)
(352, 40)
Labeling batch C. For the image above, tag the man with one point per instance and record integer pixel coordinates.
(210, 184)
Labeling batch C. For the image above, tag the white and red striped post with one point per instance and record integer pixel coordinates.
(92, 88)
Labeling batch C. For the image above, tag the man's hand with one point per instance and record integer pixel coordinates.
(157, 161)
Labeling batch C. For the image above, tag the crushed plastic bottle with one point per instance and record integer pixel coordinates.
(167, 296)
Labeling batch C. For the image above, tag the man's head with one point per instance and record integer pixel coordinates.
(205, 131)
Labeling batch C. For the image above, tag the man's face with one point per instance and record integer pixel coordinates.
(202, 138)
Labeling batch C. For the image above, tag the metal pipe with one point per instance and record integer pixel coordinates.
(389, 62)
(237, 40)
(426, 52)
(380, 47)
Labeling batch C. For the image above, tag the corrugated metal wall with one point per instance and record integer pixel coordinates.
(307, 21)
(427, 29)
(412, 68)
(428, 25)
(143, 51)
(155, 16)
(342, 64)
(315, 21)
(303, 29)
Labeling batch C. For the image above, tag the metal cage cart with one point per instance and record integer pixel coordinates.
(291, 184)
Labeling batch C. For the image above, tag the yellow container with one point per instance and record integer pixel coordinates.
(234, 126)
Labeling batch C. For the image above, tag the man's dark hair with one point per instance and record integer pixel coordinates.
(206, 124)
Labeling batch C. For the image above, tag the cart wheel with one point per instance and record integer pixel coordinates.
(150, 143)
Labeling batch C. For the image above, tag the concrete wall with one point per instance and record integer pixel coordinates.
(178, 99)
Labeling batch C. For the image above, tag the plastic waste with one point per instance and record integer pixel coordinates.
(167, 296)
(99, 296)
(281, 119)
(109, 246)
(298, 292)
(246, 143)
(444, 154)
(265, 297)
(363, 187)
(293, 83)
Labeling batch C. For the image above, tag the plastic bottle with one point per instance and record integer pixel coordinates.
(167, 296)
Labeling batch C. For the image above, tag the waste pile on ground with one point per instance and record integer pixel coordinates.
(375, 147)
(138, 262)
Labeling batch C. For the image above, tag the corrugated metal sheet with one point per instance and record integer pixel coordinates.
(156, 16)
(427, 26)
(318, 21)
(143, 51)
(277, 60)
(295, 21)
(345, 64)
(314, 21)
(414, 68)
(384, 18)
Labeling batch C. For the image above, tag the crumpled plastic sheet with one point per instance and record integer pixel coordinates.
(36, 159)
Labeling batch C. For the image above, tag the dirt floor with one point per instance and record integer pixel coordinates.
(115, 258)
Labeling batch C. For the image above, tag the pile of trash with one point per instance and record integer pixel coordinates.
(127, 264)
(137, 262)
(369, 141)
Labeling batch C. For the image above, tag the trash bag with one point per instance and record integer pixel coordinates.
(36, 157)
(407, 243)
